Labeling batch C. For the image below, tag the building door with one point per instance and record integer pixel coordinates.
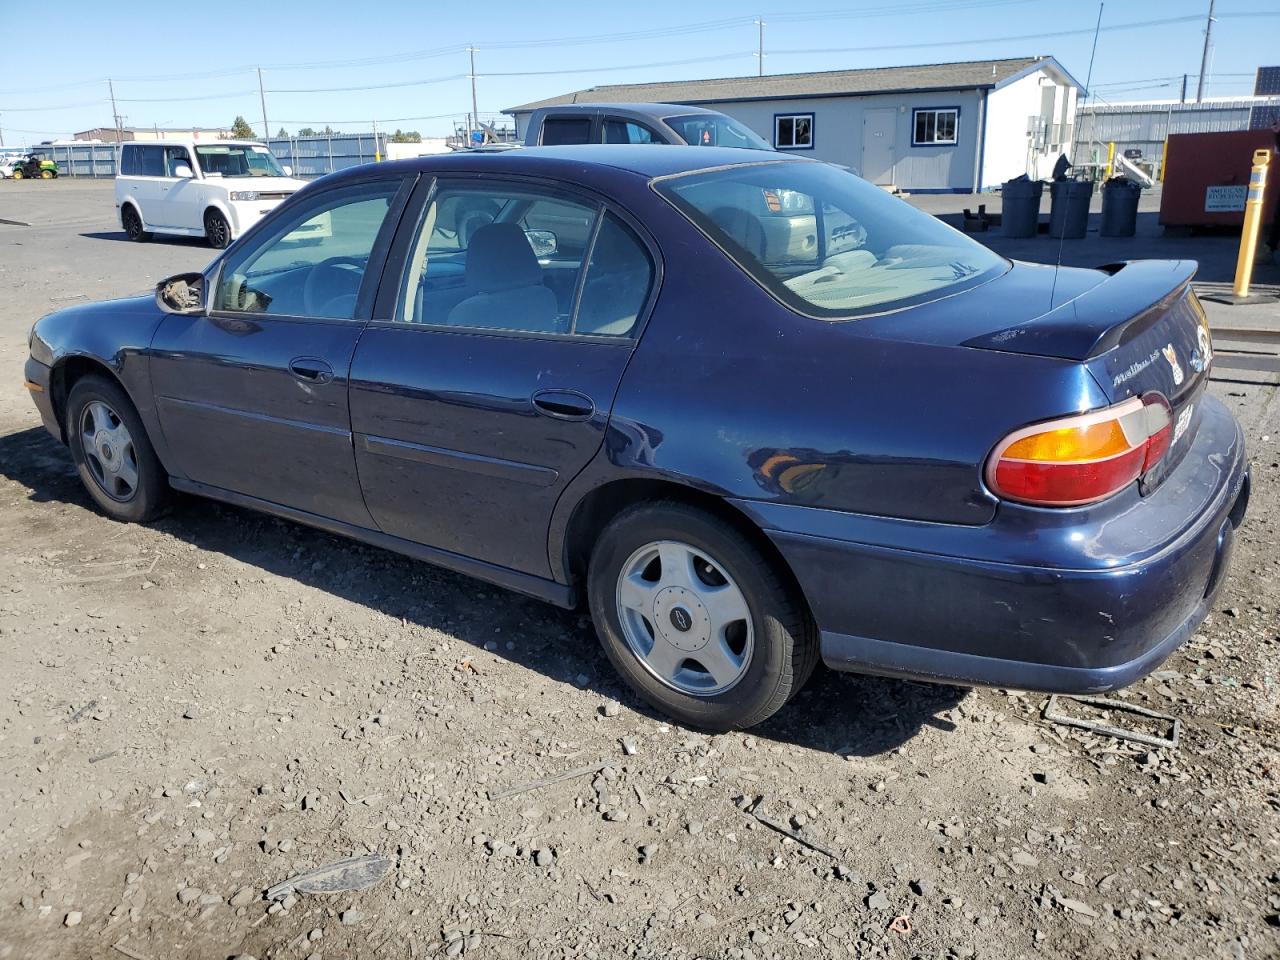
(879, 144)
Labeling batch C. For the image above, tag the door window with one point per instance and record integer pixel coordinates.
(566, 131)
(151, 161)
(520, 258)
(173, 157)
(312, 263)
(625, 131)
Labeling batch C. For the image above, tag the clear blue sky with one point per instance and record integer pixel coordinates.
(56, 61)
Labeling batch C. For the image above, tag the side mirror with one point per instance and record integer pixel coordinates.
(543, 242)
(182, 170)
(288, 170)
(182, 294)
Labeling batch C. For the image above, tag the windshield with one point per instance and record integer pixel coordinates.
(827, 243)
(238, 160)
(710, 130)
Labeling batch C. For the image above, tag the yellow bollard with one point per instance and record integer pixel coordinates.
(1252, 221)
(1111, 160)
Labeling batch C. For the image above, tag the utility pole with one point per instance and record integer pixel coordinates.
(377, 151)
(475, 111)
(262, 95)
(1204, 57)
(1182, 98)
(115, 116)
(1, 136)
(760, 46)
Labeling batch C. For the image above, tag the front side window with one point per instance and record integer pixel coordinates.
(173, 158)
(566, 131)
(827, 243)
(793, 131)
(312, 263)
(626, 131)
(714, 130)
(524, 259)
(929, 127)
(238, 160)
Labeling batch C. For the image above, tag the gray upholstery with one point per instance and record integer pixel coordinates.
(505, 284)
(743, 228)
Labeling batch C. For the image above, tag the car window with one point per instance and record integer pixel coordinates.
(626, 131)
(619, 275)
(238, 160)
(511, 257)
(130, 165)
(713, 130)
(312, 262)
(173, 156)
(565, 131)
(152, 161)
(826, 242)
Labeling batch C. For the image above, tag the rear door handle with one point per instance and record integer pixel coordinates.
(311, 369)
(564, 404)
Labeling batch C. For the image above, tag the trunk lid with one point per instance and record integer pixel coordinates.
(1139, 330)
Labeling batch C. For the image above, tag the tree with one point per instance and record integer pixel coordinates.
(282, 134)
(306, 132)
(413, 136)
(241, 130)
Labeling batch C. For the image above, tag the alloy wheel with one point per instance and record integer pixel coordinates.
(685, 618)
(109, 451)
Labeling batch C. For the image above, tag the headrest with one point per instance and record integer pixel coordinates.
(500, 258)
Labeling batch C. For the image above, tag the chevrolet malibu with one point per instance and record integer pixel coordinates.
(754, 412)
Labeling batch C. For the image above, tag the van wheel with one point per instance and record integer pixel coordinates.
(216, 230)
(112, 452)
(695, 619)
(132, 224)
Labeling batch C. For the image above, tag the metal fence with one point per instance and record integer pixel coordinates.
(309, 157)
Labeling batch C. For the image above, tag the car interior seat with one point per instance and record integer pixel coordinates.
(505, 285)
(743, 228)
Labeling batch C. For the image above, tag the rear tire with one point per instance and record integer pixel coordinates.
(112, 452)
(216, 230)
(696, 619)
(131, 220)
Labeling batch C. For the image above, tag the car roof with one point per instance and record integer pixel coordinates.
(655, 111)
(647, 160)
(192, 142)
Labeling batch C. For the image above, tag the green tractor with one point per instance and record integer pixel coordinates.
(31, 167)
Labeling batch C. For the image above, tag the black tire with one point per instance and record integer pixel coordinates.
(785, 648)
(216, 229)
(131, 220)
(151, 491)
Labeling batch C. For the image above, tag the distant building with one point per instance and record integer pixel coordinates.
(108, 134)
(934, 128)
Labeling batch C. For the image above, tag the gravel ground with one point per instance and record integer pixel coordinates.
(196, 710)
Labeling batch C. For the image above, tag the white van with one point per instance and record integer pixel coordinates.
(215, 189)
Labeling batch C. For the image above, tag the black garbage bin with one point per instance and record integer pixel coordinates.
(1069, 208)
(1020, 207)
(1120, 197)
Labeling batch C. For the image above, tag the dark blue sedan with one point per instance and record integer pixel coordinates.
(753, 410)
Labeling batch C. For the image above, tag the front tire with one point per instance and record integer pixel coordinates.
(112, 452)
(18, 174)
(216, 230)
(131, 220)
(696, 619)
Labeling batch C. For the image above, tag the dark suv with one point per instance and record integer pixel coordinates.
(579, 123)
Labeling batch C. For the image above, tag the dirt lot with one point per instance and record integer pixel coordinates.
(197, 710)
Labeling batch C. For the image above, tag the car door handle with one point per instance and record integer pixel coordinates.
(311, 369)
(564, 404)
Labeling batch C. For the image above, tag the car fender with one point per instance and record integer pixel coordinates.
(115, 335)
(131, 201)
(218, 201)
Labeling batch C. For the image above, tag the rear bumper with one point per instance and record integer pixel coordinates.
(1073, 601)
(39, 379)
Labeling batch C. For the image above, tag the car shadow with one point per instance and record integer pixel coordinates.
(161, 238)
(835, 713)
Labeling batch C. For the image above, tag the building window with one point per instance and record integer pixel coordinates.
(793, 131)
(934, 126)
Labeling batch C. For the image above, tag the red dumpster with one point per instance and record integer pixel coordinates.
(1206, 178)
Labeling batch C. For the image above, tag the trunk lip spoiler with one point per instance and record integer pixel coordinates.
(1143, 290)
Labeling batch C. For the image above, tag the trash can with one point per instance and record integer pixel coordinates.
(1120, 197)
(1020, 207)
(1069, 208)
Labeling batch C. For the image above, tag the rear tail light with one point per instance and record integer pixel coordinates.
(1084, 458)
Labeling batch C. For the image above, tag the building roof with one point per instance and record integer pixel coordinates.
(973, 74)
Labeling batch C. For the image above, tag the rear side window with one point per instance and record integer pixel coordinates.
(129, 162)
(566, 131)
(619, 276)
(625, 131)
(152, 161)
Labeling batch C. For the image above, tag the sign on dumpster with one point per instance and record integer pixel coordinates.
(1225, 199)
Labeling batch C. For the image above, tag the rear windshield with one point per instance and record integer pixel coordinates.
(709, 130)
(827, 243)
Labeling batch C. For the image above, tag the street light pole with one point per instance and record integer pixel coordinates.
(760, 47)
(475, 111)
